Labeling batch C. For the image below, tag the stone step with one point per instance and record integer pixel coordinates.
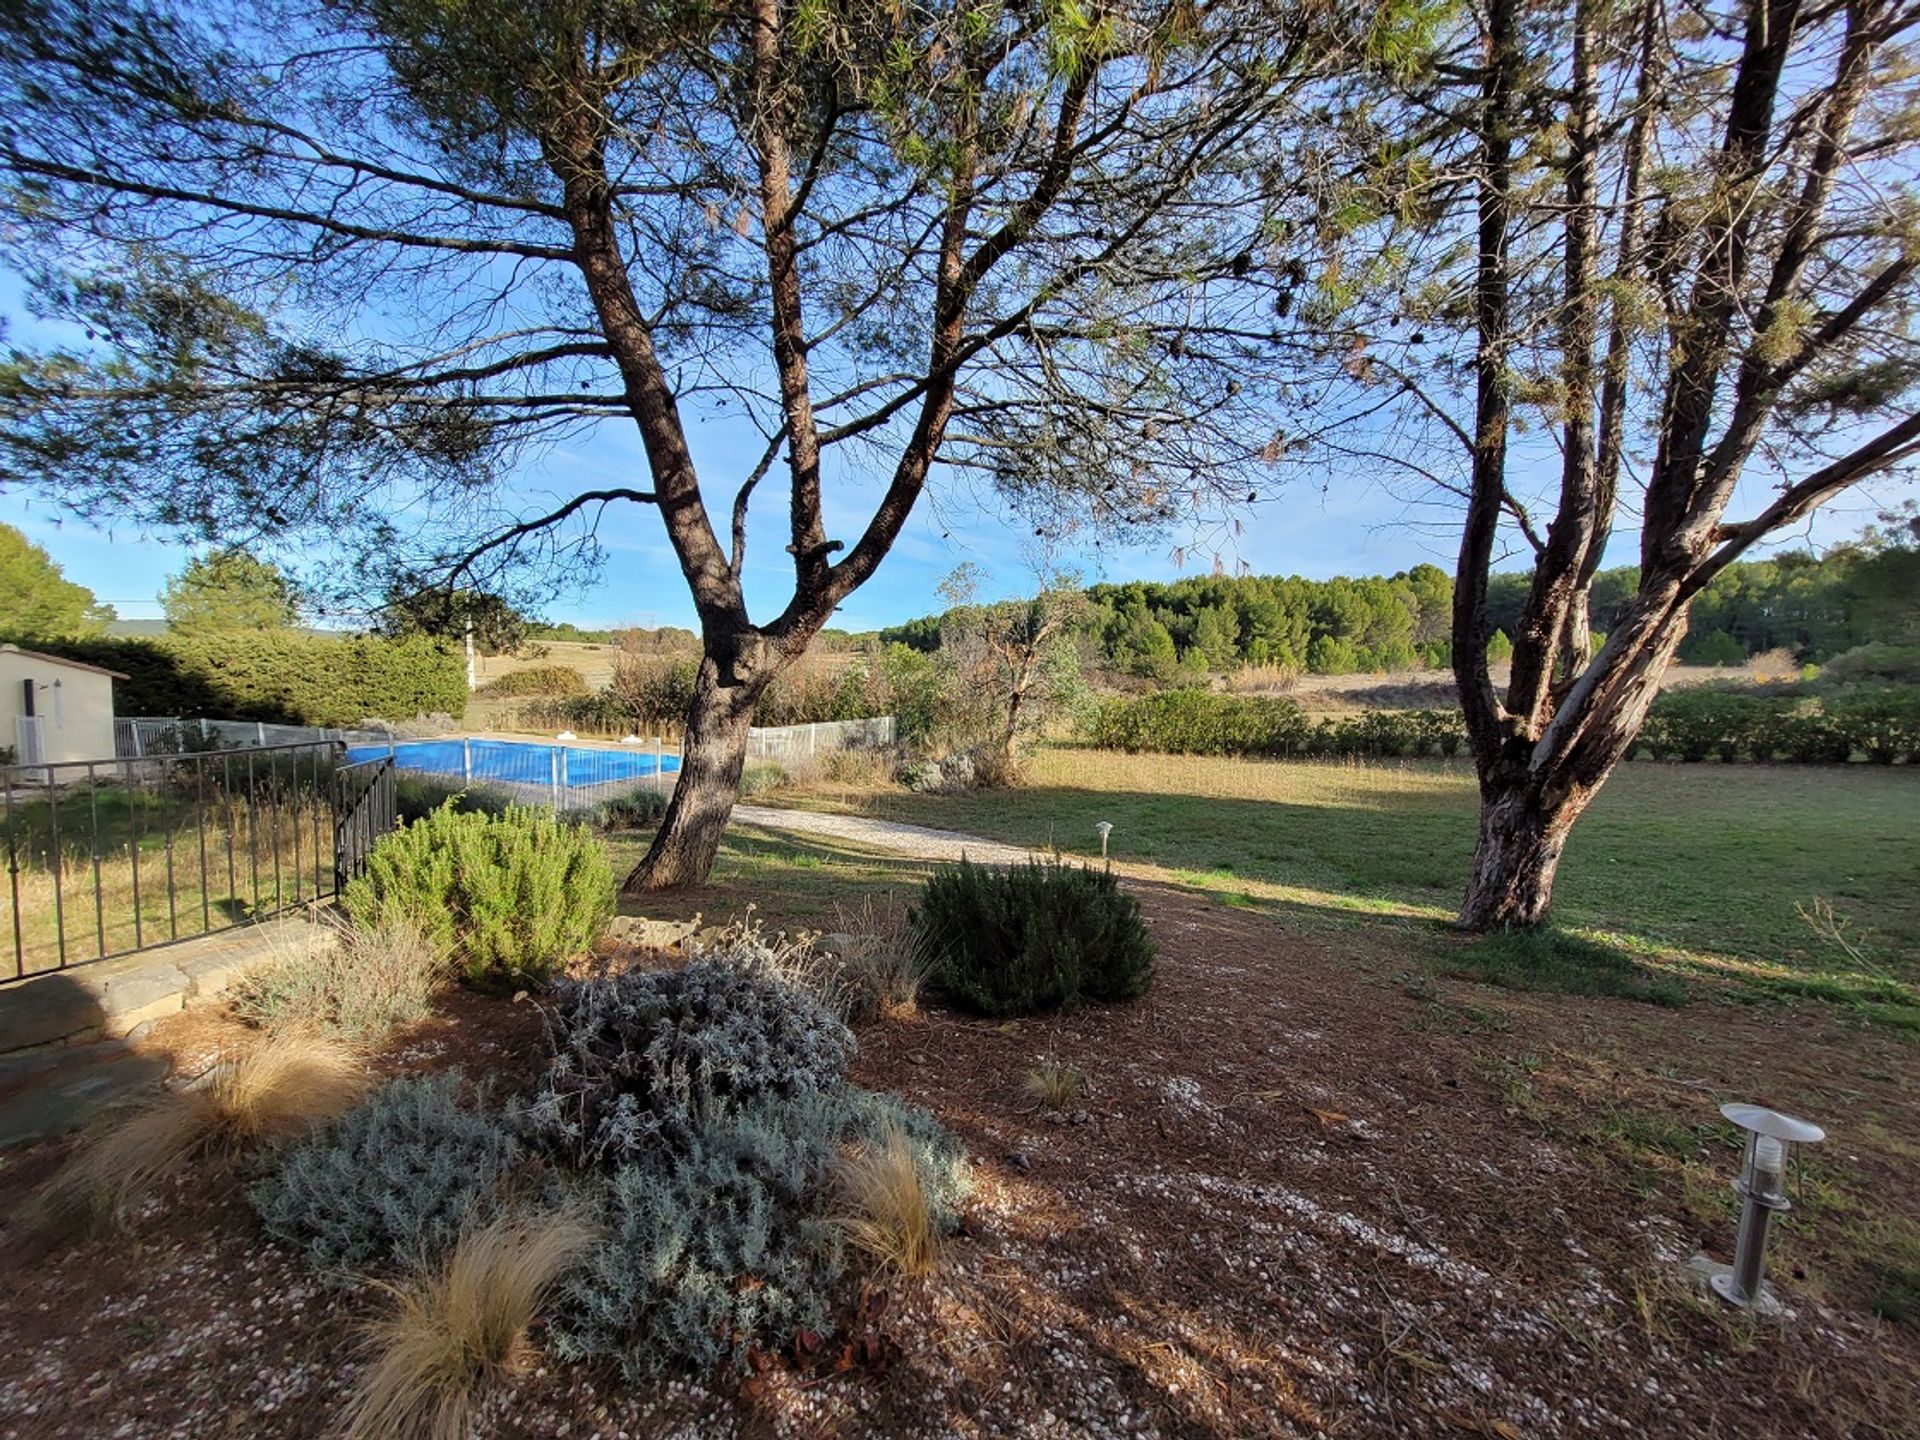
(63, 1050)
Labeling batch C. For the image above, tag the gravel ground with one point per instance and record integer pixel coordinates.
(1298, 1198)
(918, 841)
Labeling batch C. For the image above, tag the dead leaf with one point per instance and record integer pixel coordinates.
(1493, 1429)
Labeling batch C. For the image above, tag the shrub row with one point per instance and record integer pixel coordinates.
(1880, 723)
(652, 694)
(712, 1144)
(283, 677)
(1200, 722)
(555, 680)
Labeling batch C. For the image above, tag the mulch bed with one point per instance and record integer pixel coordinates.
(1289, 1204)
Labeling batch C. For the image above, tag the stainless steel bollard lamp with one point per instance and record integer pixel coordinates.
(1104, 829)
(1762, 1187)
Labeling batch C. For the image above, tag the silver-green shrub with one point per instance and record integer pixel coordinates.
(393, 1182)
(652, 1056)
(725, 1242)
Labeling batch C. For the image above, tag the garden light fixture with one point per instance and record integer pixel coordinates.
(1104, 829)
(1762, 1187)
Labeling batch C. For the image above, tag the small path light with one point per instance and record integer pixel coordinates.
(1104, 829)
(1762, 1187)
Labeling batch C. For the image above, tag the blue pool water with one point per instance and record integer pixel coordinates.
(518, 762)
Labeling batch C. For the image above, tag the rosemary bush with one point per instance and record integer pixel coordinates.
(509, 896)
(1019, 939)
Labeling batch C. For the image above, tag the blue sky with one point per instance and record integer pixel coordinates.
(1315, 526)
(1352, 527)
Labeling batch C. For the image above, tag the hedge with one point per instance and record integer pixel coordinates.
(285, 677)
(1200, 722)
(1879, 723)
(554, 680)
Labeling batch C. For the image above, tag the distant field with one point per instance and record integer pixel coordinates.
(1429, 689)
(594, 662)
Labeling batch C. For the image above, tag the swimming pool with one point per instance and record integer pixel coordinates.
(520, 762)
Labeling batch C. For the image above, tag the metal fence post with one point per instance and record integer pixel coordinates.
(466, 759)
(554, 755)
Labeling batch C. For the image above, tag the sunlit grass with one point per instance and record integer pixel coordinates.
(1677, 873)
(809, 879)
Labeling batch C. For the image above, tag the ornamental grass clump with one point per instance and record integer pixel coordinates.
(457, 1327)
(1020, 939)
(282, 1087)
(888, 1214)
(510, 897)
(356, 983)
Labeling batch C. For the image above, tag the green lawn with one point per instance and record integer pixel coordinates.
(792, 882)
(1699, 867)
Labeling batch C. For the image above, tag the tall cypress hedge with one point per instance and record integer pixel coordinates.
(284, 677)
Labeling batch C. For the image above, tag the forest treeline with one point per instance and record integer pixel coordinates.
(1865, 592)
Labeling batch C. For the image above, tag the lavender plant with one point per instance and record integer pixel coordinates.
(650, 1057)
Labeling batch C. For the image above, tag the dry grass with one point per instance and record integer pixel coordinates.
(887, 1217)
(286, 1084)
(1263, 680)
(358, 983)
(882, 970)
(456, 1329)
(1055, 1084)
(850, 771)
(206, 896)
(594, 662)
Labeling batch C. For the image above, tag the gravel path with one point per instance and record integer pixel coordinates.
(920, 841)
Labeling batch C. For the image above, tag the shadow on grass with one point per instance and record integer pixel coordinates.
(1563, 961)
(811, 875)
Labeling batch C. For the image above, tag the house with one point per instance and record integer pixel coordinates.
(53, 709)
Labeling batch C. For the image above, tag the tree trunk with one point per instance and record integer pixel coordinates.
(683, 850)
(1521, 836)
(1010, 734)
(1535, 790)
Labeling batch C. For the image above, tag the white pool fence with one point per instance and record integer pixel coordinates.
(571, 777)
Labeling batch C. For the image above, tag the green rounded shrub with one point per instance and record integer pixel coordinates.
(1033, 937)
(508, 896)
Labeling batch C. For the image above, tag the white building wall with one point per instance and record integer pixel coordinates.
(73, 705)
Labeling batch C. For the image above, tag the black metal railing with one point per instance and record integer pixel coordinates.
(364, 810)
(106, 857)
